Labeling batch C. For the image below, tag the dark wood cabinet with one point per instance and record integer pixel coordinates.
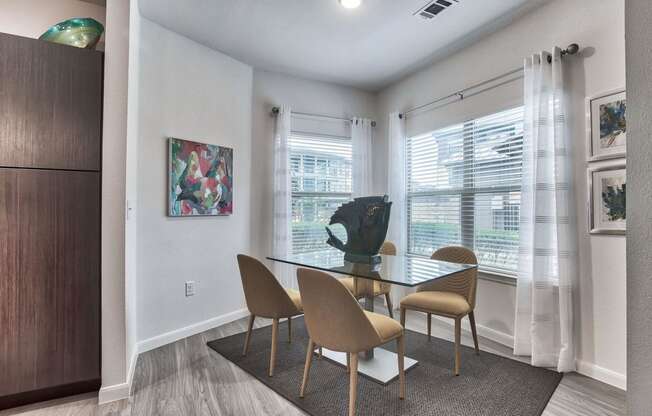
(50, 220)
(49, 278)
(50, 105)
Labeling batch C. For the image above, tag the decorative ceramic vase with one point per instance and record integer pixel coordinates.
(81, 32)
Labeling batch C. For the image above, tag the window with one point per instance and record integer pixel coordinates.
(464, 188)
(321, 181)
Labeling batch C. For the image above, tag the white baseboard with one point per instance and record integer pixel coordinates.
(190, 330)
(602, 374)
(583, 367)
(115, 392)
(483, 331)
(123, 390)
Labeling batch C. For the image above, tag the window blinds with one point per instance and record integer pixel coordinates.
(463, 185)
(321, 181)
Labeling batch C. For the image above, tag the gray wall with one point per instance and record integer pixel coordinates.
(638, 34)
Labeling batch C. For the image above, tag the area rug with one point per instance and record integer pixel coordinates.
(487, 385)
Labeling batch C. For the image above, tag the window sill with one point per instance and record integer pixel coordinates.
(504, 279)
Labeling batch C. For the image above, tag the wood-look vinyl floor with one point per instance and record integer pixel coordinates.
(188, 378)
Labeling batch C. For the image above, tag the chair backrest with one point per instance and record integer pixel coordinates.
(264, 294)
(388, 248)
(333, 317)
(464, 283)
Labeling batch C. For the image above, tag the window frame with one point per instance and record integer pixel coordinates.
(467, 192)
(335, 195)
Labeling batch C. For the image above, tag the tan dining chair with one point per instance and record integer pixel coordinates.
(379, 288)
(335, 320)
(266, 298)
(451, 297)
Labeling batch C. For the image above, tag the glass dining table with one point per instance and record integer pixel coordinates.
(403, 270)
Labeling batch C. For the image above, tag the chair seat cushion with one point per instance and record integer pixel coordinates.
(438, 302)
(386, 327)
(295, 297)
(379, 288)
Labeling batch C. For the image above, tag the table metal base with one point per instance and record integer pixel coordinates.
(381, 368)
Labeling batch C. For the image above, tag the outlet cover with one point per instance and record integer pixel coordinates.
(190, 288)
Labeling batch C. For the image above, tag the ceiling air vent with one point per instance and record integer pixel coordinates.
(435, 7)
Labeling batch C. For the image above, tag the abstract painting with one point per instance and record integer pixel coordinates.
(200, 179)
(608, 189)
(608, 130)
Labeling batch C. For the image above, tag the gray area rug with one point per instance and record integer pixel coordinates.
(487, 385)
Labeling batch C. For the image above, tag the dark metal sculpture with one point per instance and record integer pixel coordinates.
(365, 220)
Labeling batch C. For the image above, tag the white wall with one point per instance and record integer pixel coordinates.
(599, 26)
(273, 89)
(188, 91)
(115, 345)
(31, 18)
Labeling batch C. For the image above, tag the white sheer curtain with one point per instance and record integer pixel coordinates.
(397, 231)
(361, 137)
(282, 239)
(548, 255)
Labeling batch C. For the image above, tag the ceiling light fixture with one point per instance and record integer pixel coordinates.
(350, 4)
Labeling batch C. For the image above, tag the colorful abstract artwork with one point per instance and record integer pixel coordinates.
(608, 189)
(612, 124)
(608, 130)
(201, 179)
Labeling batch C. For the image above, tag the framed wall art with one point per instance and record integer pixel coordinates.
(607, 199)
(606, 125)
(200, 179)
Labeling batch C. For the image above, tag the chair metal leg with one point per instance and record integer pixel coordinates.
(248, 337)
(429, 326)
(289, 330)
(306, 369)
(400, 348)
(353, 383)
(474, 332)
(390, 308)
(458, 336)
(272, 358)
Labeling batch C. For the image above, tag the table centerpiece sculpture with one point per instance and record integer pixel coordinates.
(366, 220)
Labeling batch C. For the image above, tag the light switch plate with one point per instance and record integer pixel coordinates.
(190, 288)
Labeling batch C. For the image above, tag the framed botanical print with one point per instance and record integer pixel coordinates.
(607, 199)
(606, 125)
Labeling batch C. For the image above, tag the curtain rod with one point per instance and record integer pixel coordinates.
(275, 111)
(572, 49)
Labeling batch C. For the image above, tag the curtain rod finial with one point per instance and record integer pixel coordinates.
(573, 48)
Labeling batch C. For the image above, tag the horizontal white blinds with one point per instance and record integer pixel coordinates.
(464, 189)
(320, 168)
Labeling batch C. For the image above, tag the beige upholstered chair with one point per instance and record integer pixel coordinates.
(451, 297)
(266, 298)
(379, 288)
(335, 320)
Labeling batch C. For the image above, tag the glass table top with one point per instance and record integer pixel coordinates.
(403, 270)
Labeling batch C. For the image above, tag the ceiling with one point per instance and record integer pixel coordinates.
(369, 47)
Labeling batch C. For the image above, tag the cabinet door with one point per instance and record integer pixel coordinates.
(50, 105)
(49, 279)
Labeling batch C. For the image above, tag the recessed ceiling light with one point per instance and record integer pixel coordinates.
(350, 4)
